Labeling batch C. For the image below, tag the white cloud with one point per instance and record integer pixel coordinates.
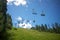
(17, 2)
(10, 2)
(19, 18)
(24, 23)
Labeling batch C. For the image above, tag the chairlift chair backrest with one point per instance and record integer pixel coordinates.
(42, 14)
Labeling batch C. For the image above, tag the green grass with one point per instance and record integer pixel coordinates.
(26, 34)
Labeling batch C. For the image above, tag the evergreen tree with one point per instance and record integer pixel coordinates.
(3, 9)
(56, 28)
(46, 28)
(3, 19)
(9, 22)
(33, 28)
(42, 27)
(38, 27)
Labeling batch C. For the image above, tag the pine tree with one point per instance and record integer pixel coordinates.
(46, 28)
(3, 19)
(42, 27)
(3, 10)
(38, 27)
(9, 22)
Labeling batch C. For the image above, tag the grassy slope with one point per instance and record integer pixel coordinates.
(25, 34)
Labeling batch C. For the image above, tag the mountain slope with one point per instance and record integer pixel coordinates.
(27, 34)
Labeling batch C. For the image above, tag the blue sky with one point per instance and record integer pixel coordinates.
(23, 10)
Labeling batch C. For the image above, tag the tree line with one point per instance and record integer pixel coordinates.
(54, 28)
(5, 19)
